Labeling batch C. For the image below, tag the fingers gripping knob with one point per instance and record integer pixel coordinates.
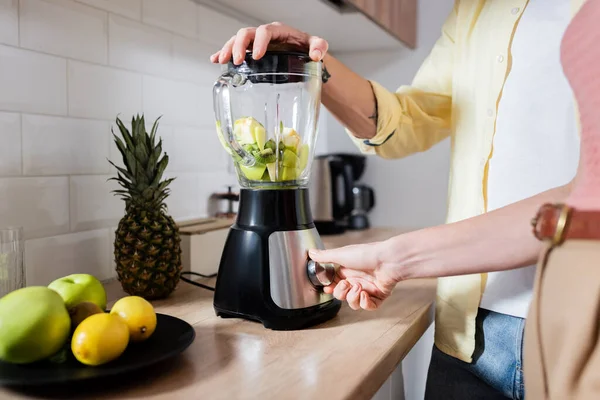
(321, 274)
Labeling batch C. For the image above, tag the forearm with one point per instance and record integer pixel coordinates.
(349, 97)
(499, 240)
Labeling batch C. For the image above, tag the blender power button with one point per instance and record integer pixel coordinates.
(320, 274)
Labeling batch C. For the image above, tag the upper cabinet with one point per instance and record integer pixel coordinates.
(348, 25)
(398, 17)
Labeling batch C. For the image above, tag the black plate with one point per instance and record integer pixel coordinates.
(171, 337)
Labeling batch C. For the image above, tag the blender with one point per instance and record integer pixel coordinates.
(267, 113)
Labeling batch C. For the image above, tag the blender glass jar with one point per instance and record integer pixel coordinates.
(266, 114)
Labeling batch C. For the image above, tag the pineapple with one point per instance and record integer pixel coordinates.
(147, 243)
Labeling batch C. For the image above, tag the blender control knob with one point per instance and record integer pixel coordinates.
(320, 274)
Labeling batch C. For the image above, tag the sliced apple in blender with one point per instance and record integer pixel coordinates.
(290, 159)
(303, 156)
(260, 135)
(288, 174)
(272, 168)
(244, 130)
(291, 139)
(255, 172)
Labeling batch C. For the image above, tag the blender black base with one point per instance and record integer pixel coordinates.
(243, 282)
(305, 318)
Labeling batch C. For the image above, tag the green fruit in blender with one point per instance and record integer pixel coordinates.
(266, 156)
(265, 176)
(303, 156)
(288, 174)
(34, 325)
(81, 311)
(260, 135)
(77, 288)
(290, 159)
(253, 173)
(270, 144)
(272, 170)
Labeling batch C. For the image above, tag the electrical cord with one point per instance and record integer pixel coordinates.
(191, 282)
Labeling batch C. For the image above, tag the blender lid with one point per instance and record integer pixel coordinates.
(277, 66)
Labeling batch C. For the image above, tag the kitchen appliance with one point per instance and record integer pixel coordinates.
(364, 201)
(266, 115)
(338, 202)
(330, 194)
(221, 204)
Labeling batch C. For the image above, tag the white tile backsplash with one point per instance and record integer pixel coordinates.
(139, 47)
(178, 102)
(60, 145)
(178, 16)
(128, 8)
(184, 201)
(39, 205)
(9, 22)
(48, 26)
(10, 148)
(191, 61)
(68, 68)
(32, 82)
(53, 257)
(92, 203)
(216, 28)
(102, 92)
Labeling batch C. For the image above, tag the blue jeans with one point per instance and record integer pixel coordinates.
(496, 371)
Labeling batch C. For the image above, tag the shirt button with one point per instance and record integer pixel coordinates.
(500, 58)
(515, 11)
(490, 112)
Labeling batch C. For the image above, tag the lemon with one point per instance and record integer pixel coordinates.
(99, 339)
(139, 316)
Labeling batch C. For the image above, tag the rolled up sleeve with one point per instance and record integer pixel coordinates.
(415, 117)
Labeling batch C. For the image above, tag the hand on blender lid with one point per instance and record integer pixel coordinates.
(263, 38)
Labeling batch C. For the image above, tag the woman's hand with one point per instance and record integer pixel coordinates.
(364, 280)
(262, 36)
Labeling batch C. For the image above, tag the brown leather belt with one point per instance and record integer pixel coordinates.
(558, 222)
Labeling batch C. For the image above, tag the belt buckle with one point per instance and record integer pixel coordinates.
(561, 223)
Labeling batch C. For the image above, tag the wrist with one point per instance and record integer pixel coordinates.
(399, 257)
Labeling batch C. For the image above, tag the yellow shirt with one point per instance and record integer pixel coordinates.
(455, 93)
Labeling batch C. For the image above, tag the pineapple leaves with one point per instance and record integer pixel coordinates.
(140, 179)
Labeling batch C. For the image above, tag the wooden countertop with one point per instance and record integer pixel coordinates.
(349, 357)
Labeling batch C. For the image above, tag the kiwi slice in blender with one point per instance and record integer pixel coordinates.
(266, 156)
(270, 144)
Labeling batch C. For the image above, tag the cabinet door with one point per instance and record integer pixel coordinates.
(398, 17)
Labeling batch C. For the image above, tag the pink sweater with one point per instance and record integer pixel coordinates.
(580, 55)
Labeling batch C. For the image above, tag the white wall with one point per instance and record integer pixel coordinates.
(67, 68)
(410, 192)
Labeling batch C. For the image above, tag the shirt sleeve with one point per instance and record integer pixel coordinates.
(416, 117)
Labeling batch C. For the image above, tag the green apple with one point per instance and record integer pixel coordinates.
(34, 325)
(77, 288)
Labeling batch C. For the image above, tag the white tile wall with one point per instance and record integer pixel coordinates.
(32, 82)
(48, 26)
(59, 146)
(67, 69)
(53, 257)
(92, 203)
(128, 8)
(174, 15)
(102, 92)
(159, 99)
(9, 22)
(215, 28)
(139, 47)
(39, 205)
(10, 148)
